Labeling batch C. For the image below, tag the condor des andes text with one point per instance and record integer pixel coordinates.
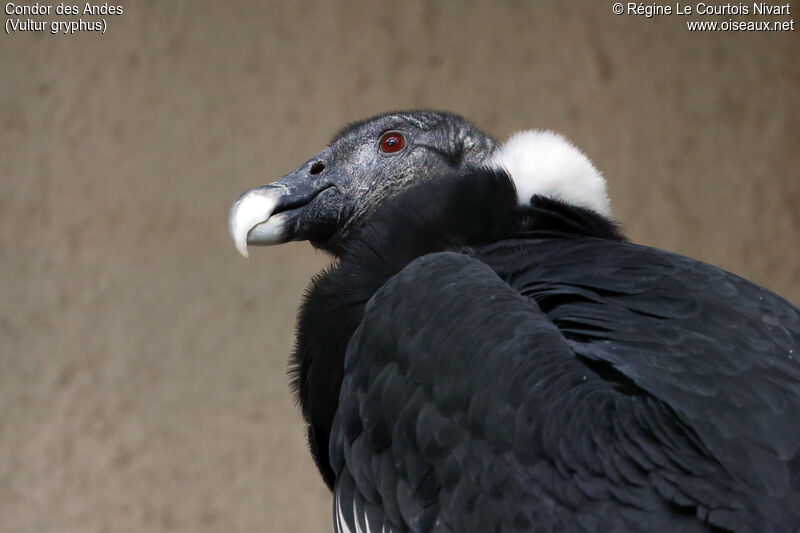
(63, 9)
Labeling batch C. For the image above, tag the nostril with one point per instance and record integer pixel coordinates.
(317, 167)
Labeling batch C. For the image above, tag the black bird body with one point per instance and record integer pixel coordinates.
(476, 363)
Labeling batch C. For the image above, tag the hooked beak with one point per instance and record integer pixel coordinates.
(280, 212)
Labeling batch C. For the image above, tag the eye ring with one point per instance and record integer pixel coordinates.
(392, 142)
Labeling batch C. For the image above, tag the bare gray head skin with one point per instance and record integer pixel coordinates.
(334, 192)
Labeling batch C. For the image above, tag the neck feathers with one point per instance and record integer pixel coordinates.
(544, 163)
(486, 204)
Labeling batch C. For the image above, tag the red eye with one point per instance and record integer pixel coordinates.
(391, 142)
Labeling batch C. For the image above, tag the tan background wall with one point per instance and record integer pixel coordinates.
(142, 361)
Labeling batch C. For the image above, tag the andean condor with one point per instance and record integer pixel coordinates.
(488, 353)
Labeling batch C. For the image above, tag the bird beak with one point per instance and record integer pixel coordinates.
(278, 212)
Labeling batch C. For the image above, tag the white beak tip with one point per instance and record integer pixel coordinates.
(239, 234)
(250, 210)
(242, 249)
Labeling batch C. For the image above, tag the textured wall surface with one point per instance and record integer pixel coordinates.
(143, 362)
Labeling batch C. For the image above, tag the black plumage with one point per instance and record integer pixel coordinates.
(475, 363)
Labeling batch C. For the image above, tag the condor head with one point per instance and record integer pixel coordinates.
(333, 193)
